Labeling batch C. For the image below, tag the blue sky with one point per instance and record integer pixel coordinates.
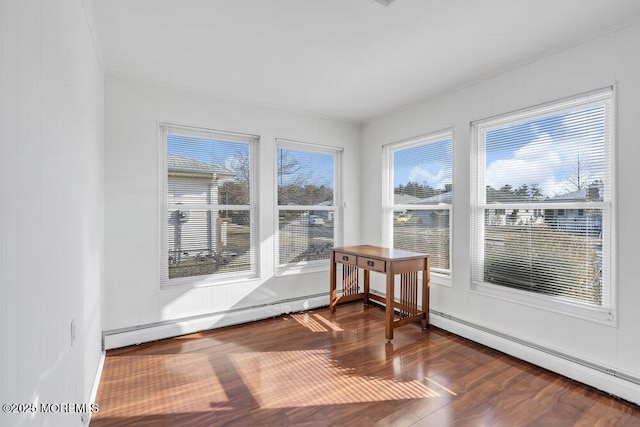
(545, 151)
(429, 163)
(219, 153)
(541, 151)
(318, 168)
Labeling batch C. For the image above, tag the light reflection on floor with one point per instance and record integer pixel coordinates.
(309, 378)
(196, 389)
(315, 323)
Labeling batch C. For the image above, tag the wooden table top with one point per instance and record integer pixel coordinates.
(388, 254)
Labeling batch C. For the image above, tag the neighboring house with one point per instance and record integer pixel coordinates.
(571, 220)
(504, 216)
(325, 215)
(193, 232)
(577, 220)
(404, 199)
(434, 217)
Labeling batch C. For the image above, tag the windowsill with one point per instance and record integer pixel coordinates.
(189, 282)
(600, 315)
(441, 279)
(303, 268)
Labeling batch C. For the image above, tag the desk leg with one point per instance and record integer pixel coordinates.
(366, 287)
(426, 291)
(333, 294)
(389, 311)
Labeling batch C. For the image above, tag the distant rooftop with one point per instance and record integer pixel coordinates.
(404, 199)
(446, 198)
(594, 193)
(176, 163)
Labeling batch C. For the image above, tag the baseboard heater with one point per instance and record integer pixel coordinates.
(601, 377)
(123, 337)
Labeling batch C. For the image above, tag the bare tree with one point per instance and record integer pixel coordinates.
(579, 174)
(236, 191)
(296, 172)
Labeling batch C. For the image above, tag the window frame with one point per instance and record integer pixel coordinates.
(605, 314)
(252, 141)
(439, 276)
(337, 207)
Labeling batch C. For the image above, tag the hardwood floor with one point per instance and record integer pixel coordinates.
(319, 369)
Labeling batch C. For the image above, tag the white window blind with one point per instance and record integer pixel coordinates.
(209, 207)
(307, 191)
(420, 188)
(543, 201)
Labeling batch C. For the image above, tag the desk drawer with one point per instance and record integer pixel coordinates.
(372, 264)
(343, 258)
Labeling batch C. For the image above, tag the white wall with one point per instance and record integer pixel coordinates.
(134, 298)
(51, 213)
(592, 65)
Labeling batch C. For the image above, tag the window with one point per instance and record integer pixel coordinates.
(209, 211)
(420, 196)
(308, 214)
(542, 208)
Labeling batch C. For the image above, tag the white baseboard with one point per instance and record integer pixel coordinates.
(86, 416)
(602, 378)
(169, 329)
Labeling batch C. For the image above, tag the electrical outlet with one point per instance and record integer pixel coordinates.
(73, 331)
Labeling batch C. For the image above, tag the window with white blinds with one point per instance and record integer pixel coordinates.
(420, 197)
(308, 213)
(543, 199)
(209, 210)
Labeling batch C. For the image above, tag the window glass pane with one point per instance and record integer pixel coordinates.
(554, 163)
(305, 235)
(422, 174)
(425, 231)
(422, 177)
(559, 157)
(207, 171)
(545, 252)
(305, 178)
(205, 242)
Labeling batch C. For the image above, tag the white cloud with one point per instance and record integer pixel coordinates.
(232, 163)
(531, 162)
(550, 163)
(436, 180)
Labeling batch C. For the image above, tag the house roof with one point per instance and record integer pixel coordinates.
(404, 199)
(593, 193)
(446, 198)
(183, 165)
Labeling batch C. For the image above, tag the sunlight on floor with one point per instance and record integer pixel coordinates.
(314, 325)
(311, 377)
(199, 387)
(441, 386)
(328, 322)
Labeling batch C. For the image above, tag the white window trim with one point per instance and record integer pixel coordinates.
(337, 208)
(209, 280)
(603, 315)
(444, 279)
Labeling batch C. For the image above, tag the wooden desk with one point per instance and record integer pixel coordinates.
(390, 262)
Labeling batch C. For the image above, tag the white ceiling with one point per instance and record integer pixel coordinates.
(349, 59)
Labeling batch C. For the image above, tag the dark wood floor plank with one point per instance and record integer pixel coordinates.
(319, 368)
